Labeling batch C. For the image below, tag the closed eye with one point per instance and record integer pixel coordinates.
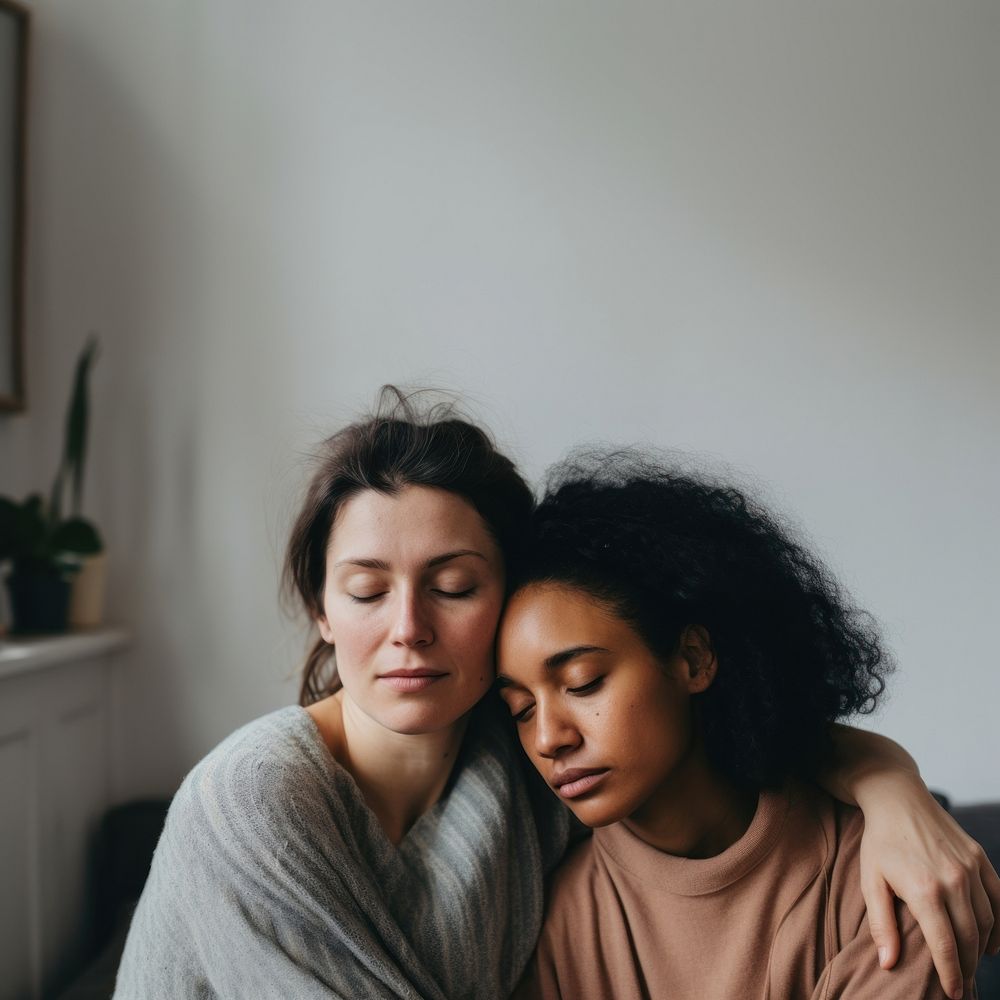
(522, 716)
(587, 688)
(455, 594)
(451, 594)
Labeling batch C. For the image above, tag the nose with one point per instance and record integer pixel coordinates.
(412, 626)
(554, 730)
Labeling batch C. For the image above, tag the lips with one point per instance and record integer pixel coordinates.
(412, 681)
(577, 781)
(415, 672)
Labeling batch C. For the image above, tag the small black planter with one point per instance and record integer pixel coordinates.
(39, 602)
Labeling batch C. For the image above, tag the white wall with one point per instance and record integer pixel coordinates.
(765, 232)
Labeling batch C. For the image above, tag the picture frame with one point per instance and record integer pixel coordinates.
(15, 26)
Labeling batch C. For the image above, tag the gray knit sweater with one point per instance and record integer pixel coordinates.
(274, 879)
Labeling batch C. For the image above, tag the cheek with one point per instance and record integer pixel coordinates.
(477, 631)
(612, 718)
(353, 637)
(666, 731)
(646, 727)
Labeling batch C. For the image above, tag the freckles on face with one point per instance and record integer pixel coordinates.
(589, 697)
(413, 590)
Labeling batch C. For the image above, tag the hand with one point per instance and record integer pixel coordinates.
(914, 850)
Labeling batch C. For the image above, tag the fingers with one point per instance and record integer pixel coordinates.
(991, 885)
(930, 913)
(985, 924)
(960, 900)
(957, 913)
(882, 922)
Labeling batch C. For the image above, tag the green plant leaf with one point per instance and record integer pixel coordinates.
(77, 536)
(31, 524)
(34, 508)
(10, 519)
(23, 528)
(77, 418)
(36, 537)
(55, 497)
(75, 442)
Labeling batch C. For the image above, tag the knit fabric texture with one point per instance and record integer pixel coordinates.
(273, 878)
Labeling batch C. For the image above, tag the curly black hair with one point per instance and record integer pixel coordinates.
(665, 547)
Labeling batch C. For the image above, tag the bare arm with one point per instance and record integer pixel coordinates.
(912, 849)
(860, 759)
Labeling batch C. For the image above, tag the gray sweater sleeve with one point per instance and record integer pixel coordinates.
(273, 878)
(247, 895)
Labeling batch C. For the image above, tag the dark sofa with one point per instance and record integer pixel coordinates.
(982, 822)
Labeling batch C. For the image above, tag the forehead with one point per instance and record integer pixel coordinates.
(416, 521)
(543, 619)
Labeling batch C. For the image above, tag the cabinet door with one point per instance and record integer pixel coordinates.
(54, 770)
(19, 896)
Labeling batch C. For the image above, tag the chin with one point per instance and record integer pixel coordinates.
(418, 720)
(595, 814)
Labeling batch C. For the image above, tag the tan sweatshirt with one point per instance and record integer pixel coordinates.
(777, 915)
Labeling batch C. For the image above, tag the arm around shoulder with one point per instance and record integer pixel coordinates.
(855, 973)
(914, 850)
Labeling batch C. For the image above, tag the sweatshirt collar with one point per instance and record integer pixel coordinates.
(697, 876)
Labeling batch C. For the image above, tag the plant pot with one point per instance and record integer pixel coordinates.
(39, 602)
(86, 605)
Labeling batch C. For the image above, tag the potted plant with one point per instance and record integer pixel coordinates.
(44, 548)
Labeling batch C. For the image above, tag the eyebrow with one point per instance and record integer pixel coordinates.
(435, 561)
(555, 661)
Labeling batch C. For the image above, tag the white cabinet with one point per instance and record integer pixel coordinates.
(55, 784)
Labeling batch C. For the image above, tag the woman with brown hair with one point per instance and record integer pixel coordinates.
(382, 839)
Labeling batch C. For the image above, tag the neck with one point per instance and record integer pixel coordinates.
(696, 812)
(400, 775)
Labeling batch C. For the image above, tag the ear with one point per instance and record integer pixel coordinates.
(699, 654)
(324, 629)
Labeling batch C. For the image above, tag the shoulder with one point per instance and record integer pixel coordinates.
(577, 870)
(839, 829)
(578, 945)
(260, 753)
(570, 909)
(573, 891)
(850, 967)
(258, 777)
(841, 825)
(835, 830)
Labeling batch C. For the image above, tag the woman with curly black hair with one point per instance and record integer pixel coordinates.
(673, 656)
